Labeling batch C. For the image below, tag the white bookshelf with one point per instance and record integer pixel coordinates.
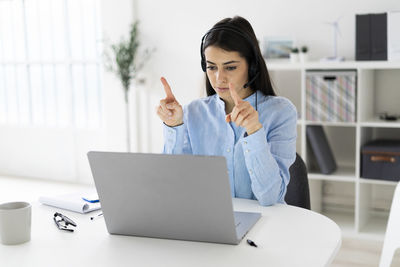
(360, 206)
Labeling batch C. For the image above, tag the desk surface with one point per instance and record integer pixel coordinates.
(285, 235)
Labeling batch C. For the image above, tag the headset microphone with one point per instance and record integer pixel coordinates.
(247, 85)
(251, 81)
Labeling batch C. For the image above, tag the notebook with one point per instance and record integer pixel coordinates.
(183, 197)
(72, 202)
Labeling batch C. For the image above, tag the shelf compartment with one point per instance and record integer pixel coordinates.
(373, 133)
(331, 95)
(342, 141)
(375, 226)
(338, 205)
(379, 94)
(368, 134)
(374, 205)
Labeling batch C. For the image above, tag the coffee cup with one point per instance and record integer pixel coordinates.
(15, 223)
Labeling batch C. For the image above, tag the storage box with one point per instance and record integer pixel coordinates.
(381, 160)
(331, 96)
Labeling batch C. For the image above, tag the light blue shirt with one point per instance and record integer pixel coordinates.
(258, 164)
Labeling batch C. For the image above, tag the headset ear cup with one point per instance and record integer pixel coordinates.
(203, 64)
(252, 70)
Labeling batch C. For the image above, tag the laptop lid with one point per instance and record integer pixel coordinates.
(183, 197)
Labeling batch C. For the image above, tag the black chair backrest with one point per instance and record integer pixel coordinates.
(298, 191)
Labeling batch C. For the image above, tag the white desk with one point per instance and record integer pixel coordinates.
(285, 235)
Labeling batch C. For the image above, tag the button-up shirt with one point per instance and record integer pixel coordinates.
(258, 164)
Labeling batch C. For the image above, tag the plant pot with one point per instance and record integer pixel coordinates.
(294, 57)
(303, 57)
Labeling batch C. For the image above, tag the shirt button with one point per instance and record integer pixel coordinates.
(247, 151)
(228, 150)
(170, 131)
(250, 171)
(245, 142)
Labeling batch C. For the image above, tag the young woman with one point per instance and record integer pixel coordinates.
(241, 119)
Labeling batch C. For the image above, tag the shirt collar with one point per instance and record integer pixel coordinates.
(251, 99)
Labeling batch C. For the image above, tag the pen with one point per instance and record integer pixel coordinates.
(251, 243)
(97, 216)
(91, 200)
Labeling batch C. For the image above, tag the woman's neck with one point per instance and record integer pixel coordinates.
(229, 106)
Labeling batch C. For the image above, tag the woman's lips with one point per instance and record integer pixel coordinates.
(222, 89)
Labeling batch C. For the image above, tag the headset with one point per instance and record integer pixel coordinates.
(253, 65)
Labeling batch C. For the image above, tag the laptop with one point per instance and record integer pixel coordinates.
(184, 197)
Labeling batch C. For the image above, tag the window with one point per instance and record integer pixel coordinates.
(50, 63)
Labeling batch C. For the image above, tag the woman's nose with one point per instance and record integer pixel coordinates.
(221, 77)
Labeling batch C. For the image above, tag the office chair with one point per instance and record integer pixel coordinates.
(298, 192)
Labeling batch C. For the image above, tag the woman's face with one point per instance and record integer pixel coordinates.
(224, 67)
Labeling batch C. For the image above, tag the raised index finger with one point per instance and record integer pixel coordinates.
(168, 91)
(236, 98)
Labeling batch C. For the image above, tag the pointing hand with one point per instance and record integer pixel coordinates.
(169, 110)
(243, 114)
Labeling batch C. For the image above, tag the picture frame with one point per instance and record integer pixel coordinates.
(277, 47)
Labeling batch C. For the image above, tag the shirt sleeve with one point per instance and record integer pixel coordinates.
(269, 155)
(176, 140)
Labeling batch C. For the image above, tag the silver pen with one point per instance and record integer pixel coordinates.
(97, 216)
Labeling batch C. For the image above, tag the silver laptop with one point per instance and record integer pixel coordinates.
(181, 197)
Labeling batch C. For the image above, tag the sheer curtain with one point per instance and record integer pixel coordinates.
(50, 87)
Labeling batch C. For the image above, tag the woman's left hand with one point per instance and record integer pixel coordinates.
(243, 114)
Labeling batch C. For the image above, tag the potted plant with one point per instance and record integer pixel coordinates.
(124, 63)
(294, 54)
(303, 53)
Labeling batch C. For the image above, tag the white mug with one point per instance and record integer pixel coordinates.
(15, 223)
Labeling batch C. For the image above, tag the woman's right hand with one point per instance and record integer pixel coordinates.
(169, 110)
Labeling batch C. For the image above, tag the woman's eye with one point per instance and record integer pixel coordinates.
(231, 68)
(211, 67)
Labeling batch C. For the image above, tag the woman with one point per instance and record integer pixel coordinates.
(241, 118)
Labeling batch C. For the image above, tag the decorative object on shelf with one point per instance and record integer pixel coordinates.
(303, 53)
(331, 96)
(336, 32)
(294, 55)
(381, 160)
(277, 47)
(125, 64)
(371, 37)
(321, 149)
(388, 117)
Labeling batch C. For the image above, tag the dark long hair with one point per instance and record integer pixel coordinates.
(232, 41)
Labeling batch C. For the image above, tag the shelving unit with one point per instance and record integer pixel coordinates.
(360, 206)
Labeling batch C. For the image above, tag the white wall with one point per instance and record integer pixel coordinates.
(116, 17)
(175, 29)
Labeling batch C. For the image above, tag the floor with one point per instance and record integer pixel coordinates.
(358, 252)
